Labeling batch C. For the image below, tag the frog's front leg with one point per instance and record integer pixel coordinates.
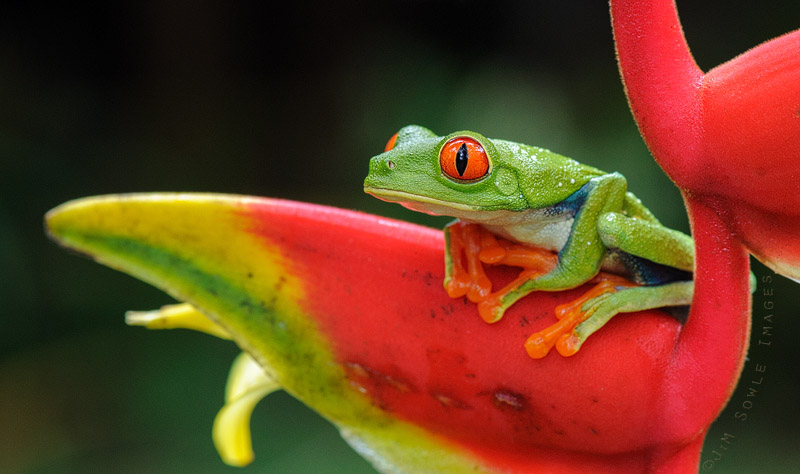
(581, 257)
(463, 243)
(474, 245)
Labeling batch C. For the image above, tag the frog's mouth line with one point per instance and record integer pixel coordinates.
(417, 202)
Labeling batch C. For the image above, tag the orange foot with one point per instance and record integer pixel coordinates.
(464, 245)
(561, 334)
(492, 308)
(474, 245)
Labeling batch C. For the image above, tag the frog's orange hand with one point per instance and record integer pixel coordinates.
(534, 260)
(491, 309)
(463, 243)
(473, 244)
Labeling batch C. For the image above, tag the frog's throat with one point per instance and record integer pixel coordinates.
(418, 202)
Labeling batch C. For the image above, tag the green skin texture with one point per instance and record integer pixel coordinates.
(510, 200)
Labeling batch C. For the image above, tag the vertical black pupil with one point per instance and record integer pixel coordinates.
(462, 158)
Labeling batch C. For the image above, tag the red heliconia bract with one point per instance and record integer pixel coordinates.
(638, 398)
(348, 313)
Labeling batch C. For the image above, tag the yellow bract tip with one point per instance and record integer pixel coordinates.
(247, 385)
(175, 316)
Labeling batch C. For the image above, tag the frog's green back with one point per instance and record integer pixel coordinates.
(545, 178)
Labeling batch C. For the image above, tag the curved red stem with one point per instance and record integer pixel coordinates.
(661, 78)
(665, 88)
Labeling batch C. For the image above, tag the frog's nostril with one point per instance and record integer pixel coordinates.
(390, 164)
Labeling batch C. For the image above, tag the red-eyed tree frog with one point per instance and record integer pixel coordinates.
(561, 221)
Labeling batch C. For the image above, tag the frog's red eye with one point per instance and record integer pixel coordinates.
(390, 143)
(464, 159)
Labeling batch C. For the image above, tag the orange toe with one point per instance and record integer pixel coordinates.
(539, 343)
(607, 284)
(561, 334)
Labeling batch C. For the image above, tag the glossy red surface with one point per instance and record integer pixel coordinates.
(639, 391)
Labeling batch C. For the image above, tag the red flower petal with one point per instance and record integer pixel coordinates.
(349, 311)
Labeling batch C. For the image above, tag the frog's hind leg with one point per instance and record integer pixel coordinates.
(658, 263)
(647, 241)
(627, 300)
(580, 319)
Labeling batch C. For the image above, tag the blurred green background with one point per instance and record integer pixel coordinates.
(289, 100)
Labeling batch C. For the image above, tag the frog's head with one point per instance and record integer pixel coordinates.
(455, 175)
